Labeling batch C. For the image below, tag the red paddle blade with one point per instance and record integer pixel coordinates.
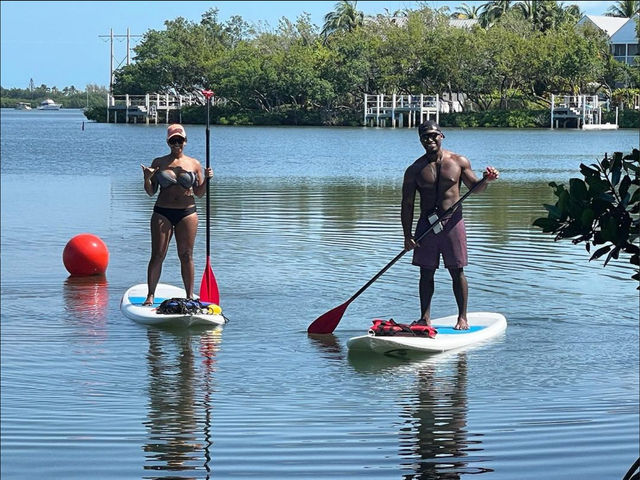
(209, 287)
(327, 322)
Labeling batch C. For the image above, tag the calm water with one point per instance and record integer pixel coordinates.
(302, 218)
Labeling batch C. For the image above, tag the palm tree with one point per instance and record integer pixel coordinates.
(571, 13)
(529, 9)
(345, 18)
(493, 10)
(624, 8)
(466, 12)
(545, 14)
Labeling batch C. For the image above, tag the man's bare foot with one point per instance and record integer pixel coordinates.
(148, 301)
(462, 324)
(423, 321)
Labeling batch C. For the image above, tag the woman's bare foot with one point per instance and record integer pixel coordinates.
(148, 301)
(462, 324)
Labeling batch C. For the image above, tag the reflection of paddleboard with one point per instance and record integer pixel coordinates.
(131, 306)
(483, 326)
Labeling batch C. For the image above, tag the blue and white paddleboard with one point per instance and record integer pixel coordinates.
(131, 306)
(482, 327)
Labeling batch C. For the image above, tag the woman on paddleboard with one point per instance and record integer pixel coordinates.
(437, 176)
(180, 178)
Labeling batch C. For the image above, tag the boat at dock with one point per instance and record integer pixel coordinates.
(600, 126)
(23, 106)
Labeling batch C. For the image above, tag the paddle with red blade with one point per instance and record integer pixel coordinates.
(208, 287)
(327, 322)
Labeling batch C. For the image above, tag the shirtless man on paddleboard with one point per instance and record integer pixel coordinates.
(437, 176)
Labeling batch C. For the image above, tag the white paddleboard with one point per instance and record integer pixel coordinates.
(131, 306)
(482, 326)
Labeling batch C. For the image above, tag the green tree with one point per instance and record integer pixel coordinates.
(601, 210)
(351, 67)
(568, 61)
(178, 59)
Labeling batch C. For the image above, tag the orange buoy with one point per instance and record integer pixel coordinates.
(85, 254)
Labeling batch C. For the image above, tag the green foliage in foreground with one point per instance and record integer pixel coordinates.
(602, 210)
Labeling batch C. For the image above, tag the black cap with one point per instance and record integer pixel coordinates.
(429, 126)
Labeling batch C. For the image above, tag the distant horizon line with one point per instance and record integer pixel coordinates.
(66, 86)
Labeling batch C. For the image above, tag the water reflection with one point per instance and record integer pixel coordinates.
(434, 442)
(328, 344)
(86, 300)
(180, 391)
(434, 439)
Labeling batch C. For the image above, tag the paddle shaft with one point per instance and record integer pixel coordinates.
(208, 163)
(449, 210)
(209, 287)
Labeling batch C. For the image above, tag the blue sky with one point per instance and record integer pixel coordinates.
(57, 43)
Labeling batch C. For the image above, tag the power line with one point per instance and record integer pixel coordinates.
(111, 36)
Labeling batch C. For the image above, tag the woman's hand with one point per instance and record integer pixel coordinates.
(149, 185)
(200, 189)
(147, 171)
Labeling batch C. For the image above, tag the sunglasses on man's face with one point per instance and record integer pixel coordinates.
(431, 136)
(176, 141)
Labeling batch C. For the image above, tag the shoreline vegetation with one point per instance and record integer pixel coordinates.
(69, 97)
(504, 58)
(537, 118)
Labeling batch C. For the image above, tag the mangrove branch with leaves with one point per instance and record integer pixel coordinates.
(602, 209)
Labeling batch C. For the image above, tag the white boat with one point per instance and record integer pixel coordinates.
(23, 106)
(49, 104)
(600, 126)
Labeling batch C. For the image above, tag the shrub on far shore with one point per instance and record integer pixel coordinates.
(497, 119)
(96, 113)
(284, 115)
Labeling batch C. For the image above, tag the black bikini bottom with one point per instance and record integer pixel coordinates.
(174, 215)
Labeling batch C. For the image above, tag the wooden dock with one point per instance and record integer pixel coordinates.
(380, 108)
(151, 108)
(579, 111)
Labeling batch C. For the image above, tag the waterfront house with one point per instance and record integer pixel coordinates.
(621, 33)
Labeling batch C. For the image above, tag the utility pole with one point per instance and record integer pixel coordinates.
(112, 58)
